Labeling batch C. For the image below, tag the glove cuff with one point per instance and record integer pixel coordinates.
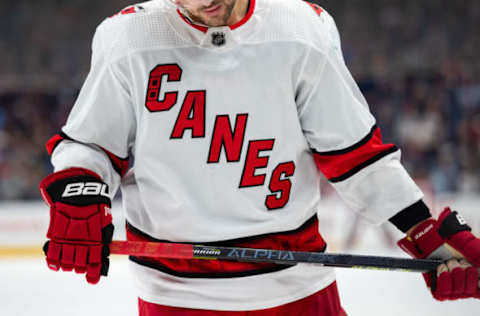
(423, 240)
(75, 186)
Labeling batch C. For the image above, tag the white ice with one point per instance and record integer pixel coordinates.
(28, 288)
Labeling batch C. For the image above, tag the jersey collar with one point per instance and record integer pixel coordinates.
(204, 29)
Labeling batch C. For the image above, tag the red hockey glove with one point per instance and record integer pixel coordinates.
(446, 238)
(80, 222)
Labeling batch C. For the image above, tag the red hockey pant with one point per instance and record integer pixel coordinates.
(323, 303)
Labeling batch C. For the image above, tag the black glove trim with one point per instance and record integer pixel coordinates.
(107, 236)
(453, 224)
(45, 247)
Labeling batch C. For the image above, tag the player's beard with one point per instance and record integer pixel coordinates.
(199, 15)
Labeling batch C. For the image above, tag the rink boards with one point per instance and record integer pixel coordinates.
(23, 226)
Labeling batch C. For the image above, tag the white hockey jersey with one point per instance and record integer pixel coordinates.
(227, 128)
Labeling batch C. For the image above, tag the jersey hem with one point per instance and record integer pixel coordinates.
(279, 228)
(250, 306)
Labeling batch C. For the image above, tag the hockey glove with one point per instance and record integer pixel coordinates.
(81, 228)
(447, 238)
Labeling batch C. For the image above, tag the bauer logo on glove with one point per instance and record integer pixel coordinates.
(88, 188)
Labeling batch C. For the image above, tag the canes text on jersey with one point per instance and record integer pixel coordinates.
(192, 117)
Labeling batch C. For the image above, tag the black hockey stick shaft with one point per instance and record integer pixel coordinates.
(188, 251)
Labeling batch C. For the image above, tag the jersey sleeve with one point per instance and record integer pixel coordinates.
(100, 128)
(343, 136)
(103, 113)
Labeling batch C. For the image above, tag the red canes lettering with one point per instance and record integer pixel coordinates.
(191, 116)
(223, 135)
(254, 162)
(280, 187)
(173, 72)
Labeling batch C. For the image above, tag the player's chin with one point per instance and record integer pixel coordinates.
(214, 22)
(219, 19)
(218, 23)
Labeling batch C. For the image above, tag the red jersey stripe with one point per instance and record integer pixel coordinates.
(315, 7)
(52, 143)
(305, 238)
(204, 29)
(339, 165)
(119, 164)
(201, 28)
(251, 9)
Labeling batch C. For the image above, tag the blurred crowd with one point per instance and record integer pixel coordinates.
(417, 63)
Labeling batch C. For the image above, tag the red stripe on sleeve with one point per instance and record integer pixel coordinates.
(339, 165)
(119, 164)
(53, 143)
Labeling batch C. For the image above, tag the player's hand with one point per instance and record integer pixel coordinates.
(80, 229)
(447, 238)
(453, 280)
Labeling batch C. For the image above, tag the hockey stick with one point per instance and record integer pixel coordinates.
(188, 251)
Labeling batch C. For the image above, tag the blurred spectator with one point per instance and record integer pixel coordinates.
(417, 63)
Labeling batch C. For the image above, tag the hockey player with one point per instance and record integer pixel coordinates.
(227, 110)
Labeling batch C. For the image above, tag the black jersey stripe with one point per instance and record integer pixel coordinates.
(229, 242)
(363, 165)
(207, 275)
(357, 145)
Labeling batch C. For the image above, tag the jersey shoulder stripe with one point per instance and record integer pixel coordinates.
(315, 7)
(129, 10)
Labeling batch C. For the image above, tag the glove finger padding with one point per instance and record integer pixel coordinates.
(94, 264)
(92, 260)
(52, 252)
(459, 277)
(472, 284)
(443, 287)
(68, 256)
(81, 255)
(456, 284)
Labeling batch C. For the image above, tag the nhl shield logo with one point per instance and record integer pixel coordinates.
(218, 38)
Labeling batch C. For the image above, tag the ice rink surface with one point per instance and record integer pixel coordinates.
(28, 288)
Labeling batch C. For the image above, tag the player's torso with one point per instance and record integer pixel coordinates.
(218, 140)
